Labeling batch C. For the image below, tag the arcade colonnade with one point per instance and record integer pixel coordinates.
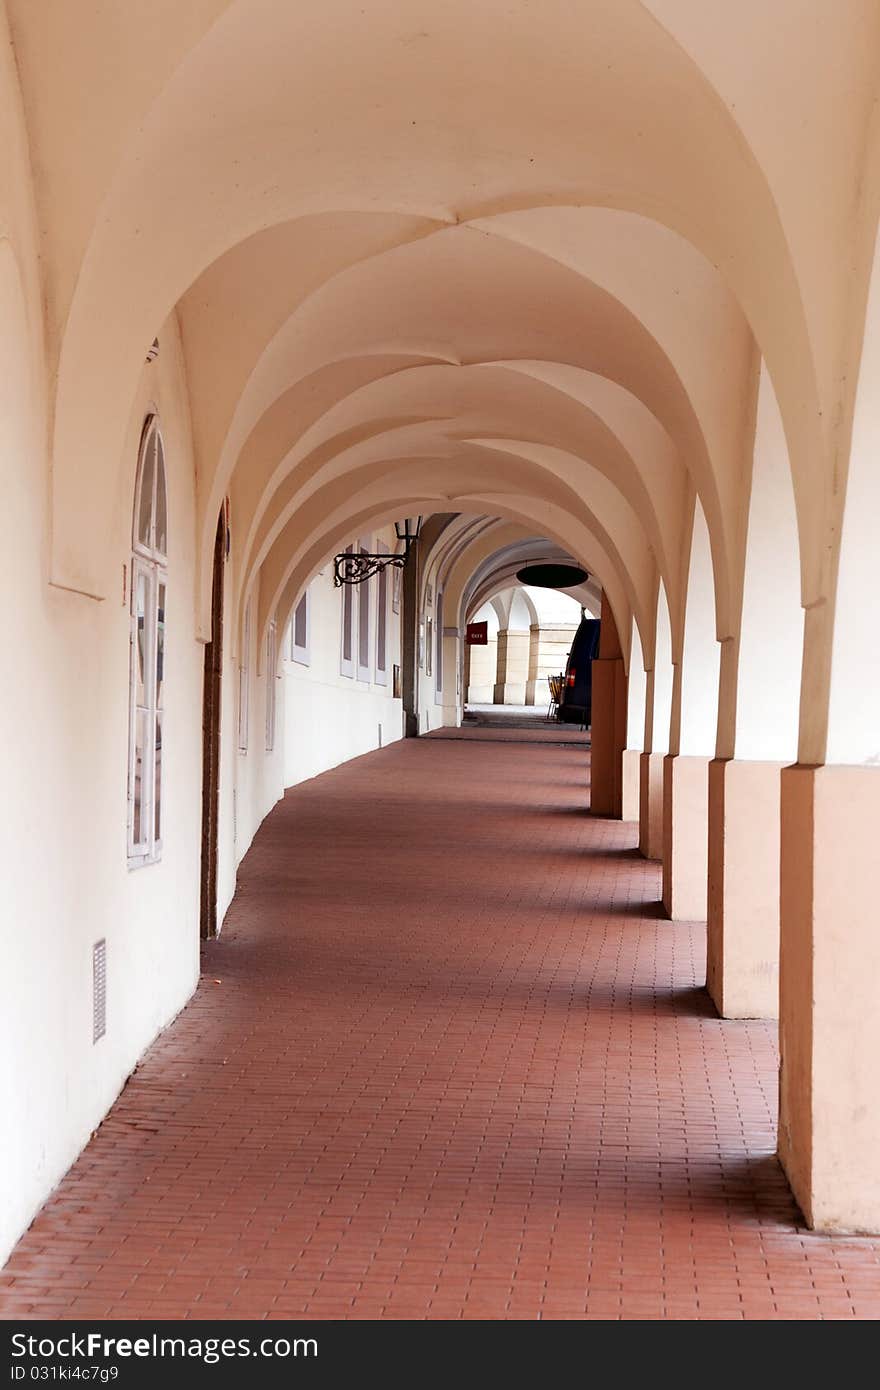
(594, 282)
(529, 632)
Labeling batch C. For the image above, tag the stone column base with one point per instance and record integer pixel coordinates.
(685, 836)
(829, 995)
(651, 805)
(742, 957)
(510, 693)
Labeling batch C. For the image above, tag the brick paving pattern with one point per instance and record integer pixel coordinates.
(447, 1061)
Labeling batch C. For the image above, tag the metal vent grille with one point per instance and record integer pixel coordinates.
(99, 990)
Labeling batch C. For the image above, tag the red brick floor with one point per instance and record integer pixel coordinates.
(446, 1061)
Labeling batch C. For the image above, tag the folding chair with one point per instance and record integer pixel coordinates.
(555, 684)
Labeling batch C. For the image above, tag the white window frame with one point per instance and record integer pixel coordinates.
(149, 563)
(364, 614)
(347, 664)
(271, 675)
(301, 655)
(438, 658)
(382, 583)
(244, 674)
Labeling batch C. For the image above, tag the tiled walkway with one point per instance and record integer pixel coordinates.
(447, 1060)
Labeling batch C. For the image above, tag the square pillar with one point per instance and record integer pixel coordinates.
(607, 737)
(513, 667)
(534, 665)
(685, 836)
(829, 995)
(742, 958)
(651, 805)
(630, 780)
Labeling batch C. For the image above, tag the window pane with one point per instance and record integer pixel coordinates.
(347, 608)
(160, 645)
(148, 599)
(242, 709)
(160, 539)
(157, 789)
(300, 629)
(140, 613)
(140, 741)
(270, 688)
(381, 620)
(364, 624)
(145, 498)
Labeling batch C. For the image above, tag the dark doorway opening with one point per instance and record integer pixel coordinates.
(211, 738)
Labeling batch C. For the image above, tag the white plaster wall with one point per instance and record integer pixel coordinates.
(328, 717)
(658, 697)
(63, 851)
(636, 694)
(772, 619)
(251, 782)
(697, 717)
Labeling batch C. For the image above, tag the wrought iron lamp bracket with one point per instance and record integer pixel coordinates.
(356, 567)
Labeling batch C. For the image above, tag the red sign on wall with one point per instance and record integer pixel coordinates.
(477, 634)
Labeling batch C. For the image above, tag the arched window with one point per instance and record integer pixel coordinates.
(299, 631)
(346, 664)
(438, 664)
(244, 682)
(382, 621)
(149, 584)
(363, 622)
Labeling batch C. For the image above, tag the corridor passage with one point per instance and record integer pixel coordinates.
(446, 1061)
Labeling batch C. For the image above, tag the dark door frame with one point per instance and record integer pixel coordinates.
(211, 696)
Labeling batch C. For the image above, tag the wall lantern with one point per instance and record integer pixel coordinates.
(354, 567)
